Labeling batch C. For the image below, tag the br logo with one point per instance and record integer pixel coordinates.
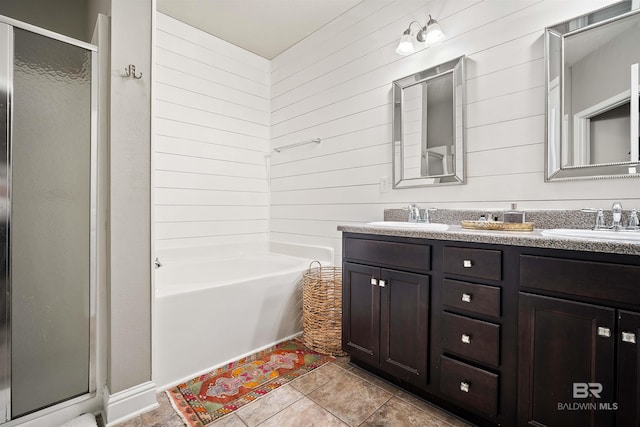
(584, 390)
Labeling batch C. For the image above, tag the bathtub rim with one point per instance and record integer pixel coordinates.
(194, 287)
(230, 250)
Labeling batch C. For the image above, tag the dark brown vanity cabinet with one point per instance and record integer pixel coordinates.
(628, 367)
(579, 355)
(431, 314)
(477, 365)
(560, 346)
(386, 310)
(498, 334)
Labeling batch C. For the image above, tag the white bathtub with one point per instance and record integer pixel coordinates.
(214, 305)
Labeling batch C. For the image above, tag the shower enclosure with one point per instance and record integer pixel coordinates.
(47, 219)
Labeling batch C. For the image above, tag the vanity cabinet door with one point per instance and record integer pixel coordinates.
(361, 311)
(566, 365)
(404, 325)
(628, 413)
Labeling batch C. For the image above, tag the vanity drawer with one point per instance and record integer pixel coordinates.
(471, 338)
(476, 388)
(396, 254)
(479, 263)
(591, 279)
(480, 299)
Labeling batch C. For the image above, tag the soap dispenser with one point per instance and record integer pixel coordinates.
(514, 215)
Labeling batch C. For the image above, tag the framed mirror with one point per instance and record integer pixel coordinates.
(428, 126)
(592, 110)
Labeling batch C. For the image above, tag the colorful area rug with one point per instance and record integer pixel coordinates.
(208, 397)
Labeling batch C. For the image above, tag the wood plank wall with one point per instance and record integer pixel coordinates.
(336, 85)
(219, 109)
(212, 112)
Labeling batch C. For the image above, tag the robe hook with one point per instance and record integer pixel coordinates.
(130, 71)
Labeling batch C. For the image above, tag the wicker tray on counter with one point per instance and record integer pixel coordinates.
(497, 225)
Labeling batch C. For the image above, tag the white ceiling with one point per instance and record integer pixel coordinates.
(264, 27)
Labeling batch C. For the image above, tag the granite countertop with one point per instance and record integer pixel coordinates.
(528, 239)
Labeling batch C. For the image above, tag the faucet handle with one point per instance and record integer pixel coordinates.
(599, 217)
(634, 223)
(414, 212)
(600, 220)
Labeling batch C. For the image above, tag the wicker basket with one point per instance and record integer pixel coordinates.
(322, 309)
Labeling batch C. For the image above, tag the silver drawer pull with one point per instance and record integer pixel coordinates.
(382, 283)
(467, 263)
(464, 386)
(629, 337)
(604, 332)
(374, 281)
(466, 297)
(465, 339)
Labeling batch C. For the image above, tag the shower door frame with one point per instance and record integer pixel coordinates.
(6, 73)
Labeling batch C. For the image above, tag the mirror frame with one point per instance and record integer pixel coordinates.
(453, 66)
(554, 171)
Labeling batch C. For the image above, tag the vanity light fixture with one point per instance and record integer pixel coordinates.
(430, 34)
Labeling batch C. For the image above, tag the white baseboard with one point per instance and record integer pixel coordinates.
(129, 403)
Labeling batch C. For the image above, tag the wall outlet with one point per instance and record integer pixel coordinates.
(385, 185)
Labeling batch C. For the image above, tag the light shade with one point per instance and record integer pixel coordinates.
(434, 33)
(405, 47)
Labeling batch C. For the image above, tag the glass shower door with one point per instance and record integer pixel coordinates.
(46, 163)
(5, 348)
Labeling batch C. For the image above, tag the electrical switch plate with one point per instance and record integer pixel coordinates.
(384, 184)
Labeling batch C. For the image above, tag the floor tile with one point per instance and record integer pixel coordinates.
(231, 420)
(134, 422)
(342, 362)
(268, 405)
(338, 395)
(160, 414)
(350, 398)
(316, 378)
(167, 422)
(373, 379)
(305, 413)
(427, 407)
(398, 413)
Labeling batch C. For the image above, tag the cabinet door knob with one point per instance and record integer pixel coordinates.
(467, 263)
(465, 386)
(382, 283)
(629, 337)
(466, 298)
(604, 332)
(374, 281)
(465, 338)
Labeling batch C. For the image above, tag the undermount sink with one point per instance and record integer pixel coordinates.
(633, 236)
(435, 226)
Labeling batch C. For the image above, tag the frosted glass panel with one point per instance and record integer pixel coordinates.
(50, 222)
(5, 72)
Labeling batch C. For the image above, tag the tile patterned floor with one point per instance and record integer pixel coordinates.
(336, 394)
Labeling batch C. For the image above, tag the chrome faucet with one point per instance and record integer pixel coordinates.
(419, 215)
(616, 223)
(616, 212)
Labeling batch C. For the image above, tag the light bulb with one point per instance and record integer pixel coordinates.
(434, 33)
(405, 47)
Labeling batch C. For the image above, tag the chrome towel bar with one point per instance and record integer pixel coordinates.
(297, 144)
